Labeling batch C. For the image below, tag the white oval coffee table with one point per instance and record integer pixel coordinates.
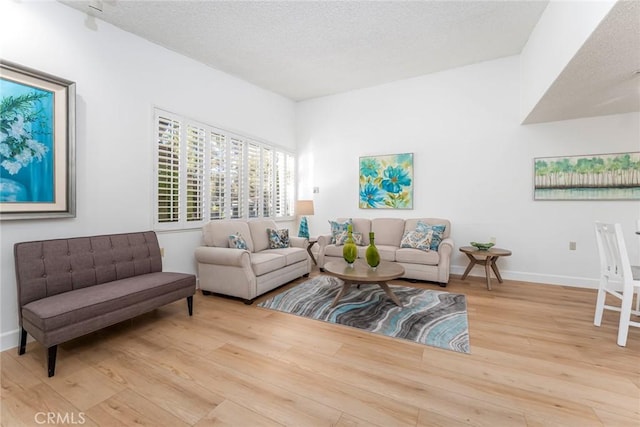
(362, 273)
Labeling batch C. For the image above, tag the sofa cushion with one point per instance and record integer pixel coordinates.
(259, 233)
(266, 261)
(236, 241)
(336, 251)
(291, 255)
(278, 238)
(216, 233)
(387, 253)
(97, 301)
(437, 231)
(333, 250)
(387, 231)
(416, 256)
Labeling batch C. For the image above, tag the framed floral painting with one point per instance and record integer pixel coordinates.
(386, 182)
(37, 144)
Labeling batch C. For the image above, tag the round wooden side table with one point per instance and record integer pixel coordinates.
(488, 258)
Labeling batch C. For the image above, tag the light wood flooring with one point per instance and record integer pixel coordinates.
(536, 360)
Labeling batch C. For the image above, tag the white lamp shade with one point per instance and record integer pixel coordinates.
(304, 207)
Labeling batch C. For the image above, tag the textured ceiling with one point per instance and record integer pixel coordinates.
(307, 49)
(602, 77)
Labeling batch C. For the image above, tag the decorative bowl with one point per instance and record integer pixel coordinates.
(482, 246)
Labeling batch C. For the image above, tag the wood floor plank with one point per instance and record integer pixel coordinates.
(128, 408)
(230, 414)
(243, 388)
(536, 360)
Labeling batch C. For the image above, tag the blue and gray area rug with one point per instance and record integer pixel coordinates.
(429, 317)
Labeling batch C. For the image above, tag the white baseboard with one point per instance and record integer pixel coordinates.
(546, 279)
(9, 340)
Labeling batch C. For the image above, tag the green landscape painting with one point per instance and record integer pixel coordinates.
(591, 177)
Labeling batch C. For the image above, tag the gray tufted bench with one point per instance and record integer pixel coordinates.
(71, 287)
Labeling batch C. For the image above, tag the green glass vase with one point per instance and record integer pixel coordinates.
(350, 250)
(372, 255)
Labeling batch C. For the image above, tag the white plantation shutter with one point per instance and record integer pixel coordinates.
(253, 180)
(218, 173)
(196, 143)
(168, 170)
(290, 184)
(236, 178)
(280, 185)
(268, 208)
(204, 173)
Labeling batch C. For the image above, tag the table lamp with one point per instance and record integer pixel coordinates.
(304, 207)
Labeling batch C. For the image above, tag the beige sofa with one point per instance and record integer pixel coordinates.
(431, 265)
(247, 273)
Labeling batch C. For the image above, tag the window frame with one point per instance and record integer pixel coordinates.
(207, 177)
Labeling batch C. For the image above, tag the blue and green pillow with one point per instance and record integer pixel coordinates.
(278, 238)
(438, 233)
(236, 241)
(338, 228)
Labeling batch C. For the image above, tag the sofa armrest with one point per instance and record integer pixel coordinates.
(223, 256)
(324, 240)
(444, 251)
(298, 242)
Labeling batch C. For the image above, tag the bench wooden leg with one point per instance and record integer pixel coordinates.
(23, 342)
(51, 359)
(190, 305)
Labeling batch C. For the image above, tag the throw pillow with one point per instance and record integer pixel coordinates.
(417, 240)
(278, 238)
(337, 228)
(438, 232)
(341, 238)
(236, 241)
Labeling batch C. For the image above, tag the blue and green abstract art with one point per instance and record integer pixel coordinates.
(386, 182)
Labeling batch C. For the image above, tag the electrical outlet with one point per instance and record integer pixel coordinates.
(316, 190)
(162, 252)
(572, 246)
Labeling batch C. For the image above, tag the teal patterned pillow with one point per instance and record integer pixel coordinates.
(236, 241)
(417, 240)
(357, 238)
(337, 228)
(438, 232)
(278, 238)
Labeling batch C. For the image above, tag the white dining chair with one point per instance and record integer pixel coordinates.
(617, 277)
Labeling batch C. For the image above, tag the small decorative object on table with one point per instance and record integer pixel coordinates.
(350, 250)
(482, 246)
(372, 254)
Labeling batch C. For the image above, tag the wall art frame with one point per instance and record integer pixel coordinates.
(37, 144)
(386, 181)
(611, 176)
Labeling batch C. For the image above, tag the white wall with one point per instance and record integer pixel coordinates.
(473, 164)
(120, 78)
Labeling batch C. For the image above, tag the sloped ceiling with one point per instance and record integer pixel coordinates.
(308, 49)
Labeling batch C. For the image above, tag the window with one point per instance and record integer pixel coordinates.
(204, 173)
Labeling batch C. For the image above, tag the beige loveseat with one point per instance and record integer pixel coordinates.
(247, 273)
(428, 265)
